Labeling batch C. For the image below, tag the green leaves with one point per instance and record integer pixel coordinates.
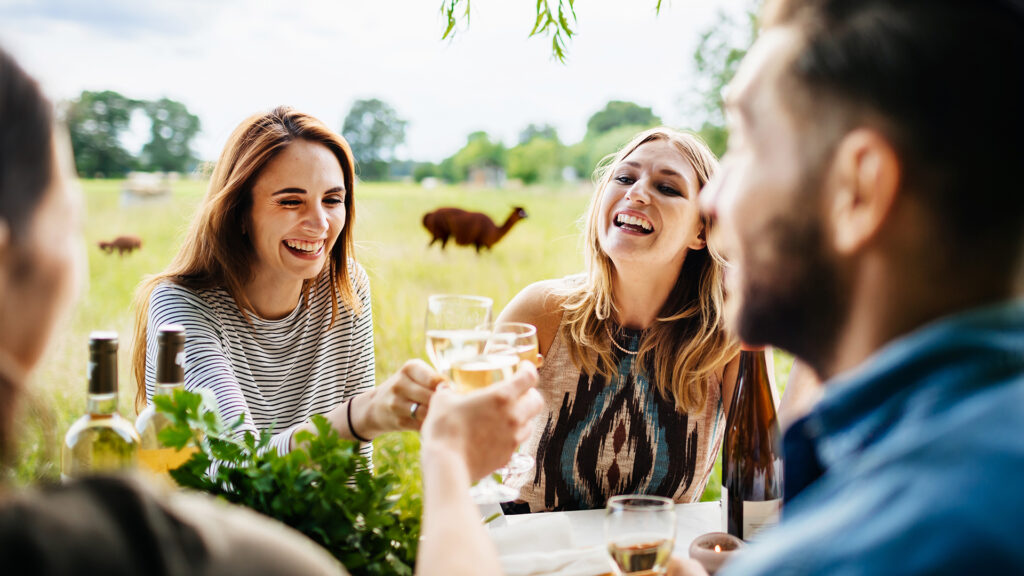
(558, 27)
(555, 20)
(324, 488)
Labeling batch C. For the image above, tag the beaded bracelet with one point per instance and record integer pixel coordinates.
(351, 429)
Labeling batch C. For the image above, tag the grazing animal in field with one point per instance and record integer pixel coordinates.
(122, 244)
(468, 228)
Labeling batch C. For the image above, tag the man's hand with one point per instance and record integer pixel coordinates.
(484, 427)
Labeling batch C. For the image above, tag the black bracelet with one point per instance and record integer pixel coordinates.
(350, 427)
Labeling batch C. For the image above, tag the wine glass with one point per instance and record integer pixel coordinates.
(460, 346)
(520, 339)
(640, 532)
(452, 327)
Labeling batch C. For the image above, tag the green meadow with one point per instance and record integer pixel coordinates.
(391, 244)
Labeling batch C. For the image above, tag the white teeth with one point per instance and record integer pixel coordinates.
(304, 246)
(633, 221)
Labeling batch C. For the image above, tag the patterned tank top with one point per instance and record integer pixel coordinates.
(601, 437)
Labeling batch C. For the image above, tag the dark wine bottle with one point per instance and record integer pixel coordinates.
(170, 377)
(751, 459)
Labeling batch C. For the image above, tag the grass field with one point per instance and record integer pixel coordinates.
(391, 245)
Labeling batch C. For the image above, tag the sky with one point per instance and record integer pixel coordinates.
(227, 59)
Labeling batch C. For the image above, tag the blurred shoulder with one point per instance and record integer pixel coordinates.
(83, 521)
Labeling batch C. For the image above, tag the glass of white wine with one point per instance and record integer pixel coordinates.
(464, 347)
(453, 328)
(519, 339)
(640, 532)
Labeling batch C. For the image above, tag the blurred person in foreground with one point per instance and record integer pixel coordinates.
(875, 227)
(638, 369)
(114, 526)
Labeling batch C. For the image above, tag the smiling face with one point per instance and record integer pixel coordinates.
(298, 211)
(766, 204)
(647, 212)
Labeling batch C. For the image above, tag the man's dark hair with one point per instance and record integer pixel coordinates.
(26, 134)
(944, 81)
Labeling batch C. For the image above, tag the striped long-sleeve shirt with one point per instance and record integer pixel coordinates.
(278, 373)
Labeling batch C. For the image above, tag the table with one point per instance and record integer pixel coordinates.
(692, 520)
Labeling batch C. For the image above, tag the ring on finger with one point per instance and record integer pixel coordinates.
(412, 410)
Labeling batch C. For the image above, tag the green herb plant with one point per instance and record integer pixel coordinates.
(324, 488)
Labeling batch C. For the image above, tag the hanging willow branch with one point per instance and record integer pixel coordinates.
(555, 18)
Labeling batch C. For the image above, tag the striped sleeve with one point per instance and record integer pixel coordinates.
(207, 366)
(363, 376)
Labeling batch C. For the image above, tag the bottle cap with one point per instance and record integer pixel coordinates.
(103, 362)
(750, 347)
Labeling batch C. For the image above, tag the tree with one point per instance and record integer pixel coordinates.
(539, 159)
(96, 122)
(424, 170)
(538, 131)
(479, 151)
(722, 46)
(172, 128)
(374, 130)
(617, 113)
(586, 155)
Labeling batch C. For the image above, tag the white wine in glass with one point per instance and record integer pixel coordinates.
(480, 371)
(640, 532)
(451, 328)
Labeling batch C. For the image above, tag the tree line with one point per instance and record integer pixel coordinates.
(98, 122)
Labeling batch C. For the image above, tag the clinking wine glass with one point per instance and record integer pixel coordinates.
(452, 327)
(640, 532)
(519, 339)
(457, 331)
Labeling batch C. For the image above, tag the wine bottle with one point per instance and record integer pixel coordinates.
(751, 459)
(101, 440)
(170, 376)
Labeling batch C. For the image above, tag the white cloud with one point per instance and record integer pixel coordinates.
(229, 58)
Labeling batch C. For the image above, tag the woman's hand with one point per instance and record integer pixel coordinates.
(483, 428)
(388, 407)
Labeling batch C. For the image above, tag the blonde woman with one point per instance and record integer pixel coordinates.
(275, 307)
(637, 373)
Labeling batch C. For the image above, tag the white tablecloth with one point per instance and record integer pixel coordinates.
(575, 540)
(692, 520)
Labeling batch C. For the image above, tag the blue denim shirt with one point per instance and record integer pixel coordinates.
(922, 452)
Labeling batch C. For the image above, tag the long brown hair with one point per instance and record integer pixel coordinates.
(217, 253)
(687, 346)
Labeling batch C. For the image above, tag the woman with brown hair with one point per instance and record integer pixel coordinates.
(637, 374)
(275, 307)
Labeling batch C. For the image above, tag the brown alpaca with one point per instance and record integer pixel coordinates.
(122, 244)
(468, 228)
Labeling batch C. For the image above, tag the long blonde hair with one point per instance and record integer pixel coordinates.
(217, 253)
(687, 346)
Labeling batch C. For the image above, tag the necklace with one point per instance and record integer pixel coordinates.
(616, 344)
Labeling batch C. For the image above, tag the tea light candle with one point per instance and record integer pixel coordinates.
(713, 549)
